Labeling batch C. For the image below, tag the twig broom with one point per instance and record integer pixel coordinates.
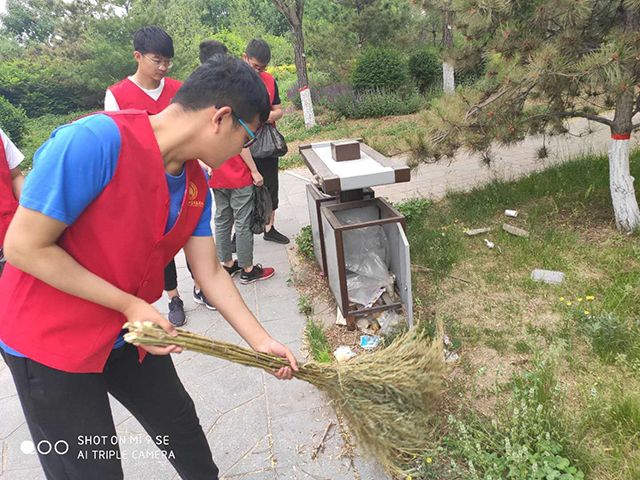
(387, 396)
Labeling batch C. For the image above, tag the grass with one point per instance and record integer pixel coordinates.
(585, 404)
(317, 341)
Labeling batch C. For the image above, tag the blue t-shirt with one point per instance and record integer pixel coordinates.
(73, 167)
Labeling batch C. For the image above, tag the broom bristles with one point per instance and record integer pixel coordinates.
(387, 396)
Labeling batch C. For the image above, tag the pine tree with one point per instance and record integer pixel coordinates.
(547, 61)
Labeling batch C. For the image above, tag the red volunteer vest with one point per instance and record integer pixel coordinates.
(129, 95)
(119, 237)
(8, 202)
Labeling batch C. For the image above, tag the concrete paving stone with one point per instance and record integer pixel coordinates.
(369, 468)
(7, 387)
(255, 460)
(229, 388)
(257, 475)
(296, 435)
(12, 416)
(285, 331)
(24, 474)
(238, 432)
(118, 412)
(291, 397)
(274, 310)
(13, 457)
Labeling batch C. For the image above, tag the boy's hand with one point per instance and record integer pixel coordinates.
(258, 180)
(276, 348)
(140, 311)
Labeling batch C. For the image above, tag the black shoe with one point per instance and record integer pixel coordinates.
(258, 272)
(176, 312)
(200, 299)
(233, 269)
(275, 236)
(233, 243)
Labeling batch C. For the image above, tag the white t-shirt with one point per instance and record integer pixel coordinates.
(111, 105)
(14, 156)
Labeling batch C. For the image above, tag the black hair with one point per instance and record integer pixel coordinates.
(226, 81)
(258, 49)
(154, 40)
(209, 48)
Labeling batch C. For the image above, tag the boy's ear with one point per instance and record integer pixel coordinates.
(137, 56)
(219, 116)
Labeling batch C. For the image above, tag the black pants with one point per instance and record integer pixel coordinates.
(170, 276)
(268, 168)
(70, 411)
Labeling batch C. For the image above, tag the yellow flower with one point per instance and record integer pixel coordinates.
(580, 299)
(409, 477)
(589, 297)
(569, 304)
(429, 460)
(587, 312)
(562, 299)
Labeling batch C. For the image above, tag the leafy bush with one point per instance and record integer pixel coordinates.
(413, 209)
(378, 68)
(375, 103)
(426, 69)
(13, 121)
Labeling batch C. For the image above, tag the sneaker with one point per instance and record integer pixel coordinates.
(257, 273)
(233, 243)
(176, 312)
(275, 236)
(200, 299)
(233, 269)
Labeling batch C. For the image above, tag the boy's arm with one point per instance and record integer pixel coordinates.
(17, 180)
(217, 286)
(258, 181)
(276, 113)
(110, 102)
(31, 245)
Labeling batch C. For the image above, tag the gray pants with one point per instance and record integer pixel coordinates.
(234, 205)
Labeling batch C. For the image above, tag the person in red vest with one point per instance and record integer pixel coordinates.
(11, 180)
(111, 199)
(258, 55)
(150, 89)
(233, 190)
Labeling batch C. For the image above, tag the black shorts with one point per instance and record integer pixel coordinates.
(268, 168)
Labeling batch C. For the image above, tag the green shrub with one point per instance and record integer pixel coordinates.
(413, 209)
(304, 241)
(13, 121)
(426, 69)
(317, 341)
(376, 103)
(378, 68)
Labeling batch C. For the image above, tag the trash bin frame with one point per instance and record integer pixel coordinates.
(388, 214)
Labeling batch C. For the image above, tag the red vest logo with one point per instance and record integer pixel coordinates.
(192, 197)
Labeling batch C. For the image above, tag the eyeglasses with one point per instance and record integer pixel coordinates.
(159, 63)
(258, 67)
(252, 136)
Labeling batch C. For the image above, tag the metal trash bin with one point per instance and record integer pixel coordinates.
(344, 188)
(374, 212)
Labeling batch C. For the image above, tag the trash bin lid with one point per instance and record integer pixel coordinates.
(371, 169)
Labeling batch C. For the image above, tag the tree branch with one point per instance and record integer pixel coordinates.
(572, 113)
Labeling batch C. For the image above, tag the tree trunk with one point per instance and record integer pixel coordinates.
(303, 79)
(448, 74)
(623, 197)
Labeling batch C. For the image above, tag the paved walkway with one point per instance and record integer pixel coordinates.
(258, 427)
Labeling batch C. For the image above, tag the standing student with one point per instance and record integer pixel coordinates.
(258, 55)
(150, 89)
(233, 190)
(11, 180)
(83, 260)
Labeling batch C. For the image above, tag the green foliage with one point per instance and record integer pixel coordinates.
(13, 121)
(317, 341)
(379, 68)
(425, 68)
(305, 306)
(526, 442)
(413, 209)
(304, 242)
(611, 336)
(376, 103)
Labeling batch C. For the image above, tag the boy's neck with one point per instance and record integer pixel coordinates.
(148, 83)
